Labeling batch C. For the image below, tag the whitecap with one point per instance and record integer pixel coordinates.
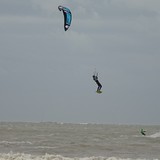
(156, 135)
(21, 156)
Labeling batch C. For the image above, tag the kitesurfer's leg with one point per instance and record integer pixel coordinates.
(99, 88)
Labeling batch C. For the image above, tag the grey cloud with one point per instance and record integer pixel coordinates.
(47, 71)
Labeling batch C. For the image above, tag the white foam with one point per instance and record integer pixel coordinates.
(156, 135)
(21, 156)
(15, 142)
(44, 147)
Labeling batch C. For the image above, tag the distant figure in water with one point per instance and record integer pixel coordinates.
(143, 132)
(95, 78)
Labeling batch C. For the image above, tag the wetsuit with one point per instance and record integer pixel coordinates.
(95, 78)
(143, 132)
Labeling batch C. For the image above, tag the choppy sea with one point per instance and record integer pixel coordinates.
(66, 141)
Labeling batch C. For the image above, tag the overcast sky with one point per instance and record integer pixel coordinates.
(46, 73)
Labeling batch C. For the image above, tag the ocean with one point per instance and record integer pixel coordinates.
(66, 141)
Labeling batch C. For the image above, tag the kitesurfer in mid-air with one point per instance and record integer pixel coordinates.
(95, 78)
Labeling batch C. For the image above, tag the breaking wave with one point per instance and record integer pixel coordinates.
(156, 135)
(21, 156)
(15, 142)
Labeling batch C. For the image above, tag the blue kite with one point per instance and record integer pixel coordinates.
(67, 17)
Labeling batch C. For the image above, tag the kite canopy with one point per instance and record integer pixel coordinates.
(67, 17)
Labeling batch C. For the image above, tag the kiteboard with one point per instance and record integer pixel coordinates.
(99, 92)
